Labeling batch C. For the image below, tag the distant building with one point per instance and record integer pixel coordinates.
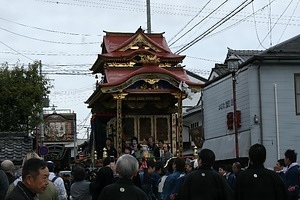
(59, 131)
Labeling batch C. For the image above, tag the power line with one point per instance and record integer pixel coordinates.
(68, 73)
(189, 22)
(16, 51)
(255, 26)
(219, 23)
(205, 59)
(241, 20)
(36, 53)
(200, 22)
(114, 5)
(57, 42)
(277, 20)
(49, 41)
(94, 5)
(288, 21)
(48, 30)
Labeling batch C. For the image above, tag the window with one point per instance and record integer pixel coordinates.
(194, 125)
(297, 93)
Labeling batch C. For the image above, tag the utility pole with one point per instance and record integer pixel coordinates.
(41, 114)
(148, 17)
(75, 136)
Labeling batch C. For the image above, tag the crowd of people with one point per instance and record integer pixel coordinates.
(164, 177)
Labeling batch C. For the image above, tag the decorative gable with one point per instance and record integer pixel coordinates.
(140, 42)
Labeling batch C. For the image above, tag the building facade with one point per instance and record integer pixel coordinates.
(267, 103)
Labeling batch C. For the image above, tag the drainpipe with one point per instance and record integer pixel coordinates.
(260, 106)
(277, 121)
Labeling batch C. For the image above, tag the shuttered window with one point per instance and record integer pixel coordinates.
(297, 93)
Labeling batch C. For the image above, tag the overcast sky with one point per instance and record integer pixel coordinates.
(66, 35)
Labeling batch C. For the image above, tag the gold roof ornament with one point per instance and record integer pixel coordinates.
(104, 153)
(195, 154)
(150, 59)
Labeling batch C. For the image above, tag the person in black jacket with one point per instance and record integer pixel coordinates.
(3, 184)
(34, 180)
(123, 188)
(205, 183)
(104, 177)
(8, 167)
(257, 182)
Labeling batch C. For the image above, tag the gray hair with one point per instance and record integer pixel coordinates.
(7, 165)
(126, 166)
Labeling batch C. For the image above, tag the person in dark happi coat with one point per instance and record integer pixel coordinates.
(204, 182)
(257, 182)
(104, 177)
(123, 188)
(292, 174)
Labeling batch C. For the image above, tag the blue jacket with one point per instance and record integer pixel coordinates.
(170, 183)
(291, 179)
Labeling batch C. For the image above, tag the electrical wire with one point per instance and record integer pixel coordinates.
(200, 22)
(205, 59)
(255, 26)
(48, 30)
(50, 53)
(277, 21)
(17, 51)
(288, 21)
(241, 20)
(216, 25)
(189, 22)
(49, 41)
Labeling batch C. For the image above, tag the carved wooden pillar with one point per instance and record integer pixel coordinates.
(174, 134)
(179, 97)
(119, 98)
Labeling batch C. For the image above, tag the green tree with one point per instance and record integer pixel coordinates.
(22, 92)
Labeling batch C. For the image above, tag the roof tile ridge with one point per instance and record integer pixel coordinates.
(135, 35)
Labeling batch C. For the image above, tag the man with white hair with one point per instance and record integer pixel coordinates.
(8, 167)
(123, 188)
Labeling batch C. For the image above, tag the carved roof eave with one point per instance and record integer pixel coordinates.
(97, 66)
(147, 76)
(96, 94)
(129, 54)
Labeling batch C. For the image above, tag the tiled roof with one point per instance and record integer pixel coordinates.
(220, 69)
(14, 146)
(290, 47)
(114, 41)
(243, 55)
(115, 48)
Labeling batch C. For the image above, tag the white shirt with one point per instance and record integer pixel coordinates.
(60, 185)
